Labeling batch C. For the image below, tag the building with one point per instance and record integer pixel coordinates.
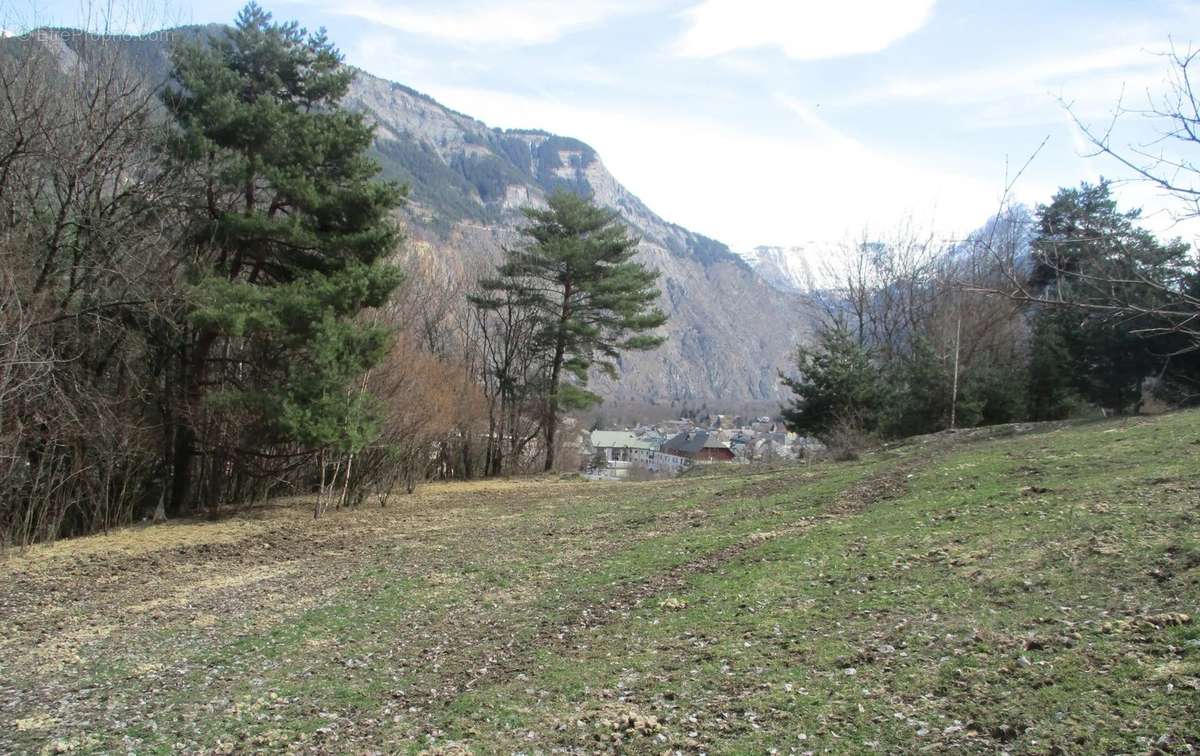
(624, 451)
(618, 446)
(699, 446)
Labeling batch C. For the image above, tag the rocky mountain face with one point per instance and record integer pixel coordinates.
(730, 330)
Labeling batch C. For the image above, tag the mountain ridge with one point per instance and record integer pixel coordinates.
(788, 269)
(730, 332)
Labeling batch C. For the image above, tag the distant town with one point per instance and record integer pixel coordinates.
(673, 446)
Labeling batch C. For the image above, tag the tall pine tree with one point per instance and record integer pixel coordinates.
(290, 231)
(1094, 258)
(590, 299)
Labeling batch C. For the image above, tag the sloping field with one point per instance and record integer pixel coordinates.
(1033, 592)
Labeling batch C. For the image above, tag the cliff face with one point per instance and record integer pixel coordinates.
(729, 330)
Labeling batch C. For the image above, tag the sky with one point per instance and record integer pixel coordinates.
(777, 122)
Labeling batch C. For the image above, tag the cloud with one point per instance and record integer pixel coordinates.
(1037, 76)
(819, 126)
(802, 29)
(1021, 95)
(744, 188)
(505, 23)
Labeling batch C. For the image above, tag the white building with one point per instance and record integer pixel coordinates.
(624, 450)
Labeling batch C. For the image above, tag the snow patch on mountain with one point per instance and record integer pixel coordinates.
(788, 269)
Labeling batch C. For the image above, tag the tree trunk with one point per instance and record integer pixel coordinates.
(552, 410)
(466, 454)
(560, 348)
(320, 486)
(346, 483)
(954, 390)
(160, 510)
(185, 430)
(181, 473)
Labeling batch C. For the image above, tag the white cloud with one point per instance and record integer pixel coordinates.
(383, 55)
(815, 123)
(802, 29)
(1018, 77)
(746, 189)
(1079, 141)
(508, 23)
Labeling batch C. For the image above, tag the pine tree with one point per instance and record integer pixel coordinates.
(838, 386)
(1053, 368)
(288, 244)
(993, 392)
(591, 301)
(922, 391)
(1093, 256)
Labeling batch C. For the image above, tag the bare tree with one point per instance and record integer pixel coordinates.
(513, 375)
(88, 285)
(1167, 161)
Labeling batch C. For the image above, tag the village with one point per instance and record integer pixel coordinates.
(669, 448)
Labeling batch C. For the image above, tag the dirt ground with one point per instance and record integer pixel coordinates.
(71, 605)
(893, 604)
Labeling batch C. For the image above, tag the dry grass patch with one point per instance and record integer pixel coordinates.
(133, 541)
(63, 649)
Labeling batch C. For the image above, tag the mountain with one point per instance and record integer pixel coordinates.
(789, 269)
(730, 329)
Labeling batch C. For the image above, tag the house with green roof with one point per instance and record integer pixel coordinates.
(624, 450)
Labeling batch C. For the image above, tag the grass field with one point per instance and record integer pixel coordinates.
(1021, 592)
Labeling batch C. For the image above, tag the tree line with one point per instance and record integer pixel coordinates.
(205, 299)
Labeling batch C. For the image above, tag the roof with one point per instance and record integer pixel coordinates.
(693, 442)
(618, 440)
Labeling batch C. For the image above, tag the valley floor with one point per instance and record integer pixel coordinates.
(1024, 592)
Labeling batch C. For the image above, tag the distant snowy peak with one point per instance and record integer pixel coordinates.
(789, 269)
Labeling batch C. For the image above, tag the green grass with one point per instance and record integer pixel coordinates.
(1026, 594)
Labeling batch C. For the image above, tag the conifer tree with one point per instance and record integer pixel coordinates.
(838, 386)
(290, 231)
(590, 299)
(1054, 374)
(1094, 258)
